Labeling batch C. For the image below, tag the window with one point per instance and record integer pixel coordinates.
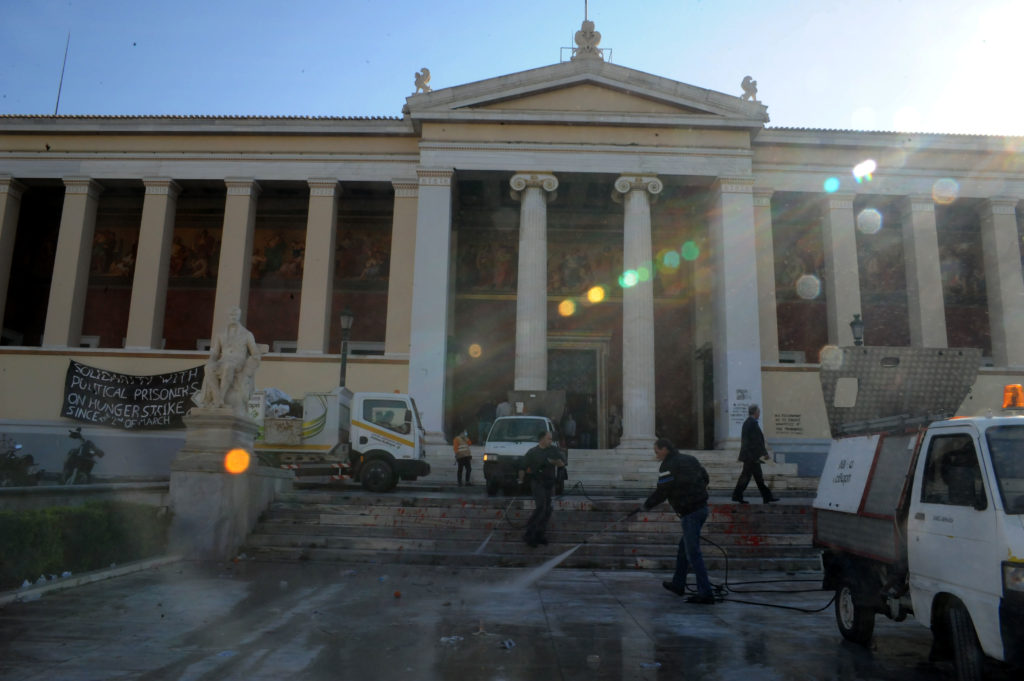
(285, 346)
(516, 430)
(1005, 444)
(951, 473)
(391, 414)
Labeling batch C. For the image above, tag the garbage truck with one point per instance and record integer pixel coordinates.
(376, 439)
(920, 512)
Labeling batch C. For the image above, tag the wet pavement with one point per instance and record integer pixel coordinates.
(255, 620)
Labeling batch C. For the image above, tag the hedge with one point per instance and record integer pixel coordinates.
(77, 538)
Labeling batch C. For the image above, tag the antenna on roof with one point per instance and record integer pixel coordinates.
(62, 66)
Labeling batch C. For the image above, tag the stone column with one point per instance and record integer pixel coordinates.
(152, 264)
(736, 345)
(637, 312)
(925, 306)
(66, 307)
(842, 278)
(315, 303)
(430, 292)
(768, 319)
(1003, 284)
(10, 206)
(533, 191)
(235, 262)
(403, 258)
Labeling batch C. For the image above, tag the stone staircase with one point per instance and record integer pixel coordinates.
(465, 527)
(634, 473)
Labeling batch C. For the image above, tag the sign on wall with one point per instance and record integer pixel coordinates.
(129, 402)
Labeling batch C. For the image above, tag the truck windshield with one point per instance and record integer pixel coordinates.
(1006, 444)
(516, 430)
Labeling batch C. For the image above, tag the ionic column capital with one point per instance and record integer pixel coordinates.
(547, 182)
(242, 186)
(323, 186)
(435, 177)
(631, 183)
(405, 188)
(162, 186)
(83, 185)
(11, 187)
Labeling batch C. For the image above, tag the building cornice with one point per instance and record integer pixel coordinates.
(887, 140)
(203, 125)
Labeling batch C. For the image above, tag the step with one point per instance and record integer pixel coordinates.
(433, 527)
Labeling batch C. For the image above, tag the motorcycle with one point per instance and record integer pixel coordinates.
(15, 468)
(80, 460)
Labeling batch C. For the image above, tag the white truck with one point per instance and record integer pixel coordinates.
(510, 437)
(374, 438)
(920, 512)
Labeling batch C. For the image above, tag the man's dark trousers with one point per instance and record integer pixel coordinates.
(538, 522)
(751, 469)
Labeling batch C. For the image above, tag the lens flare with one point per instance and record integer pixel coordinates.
(567, 308)
(629, 279)
(236, 461)
(945, 191)
(670, 260)
(595, 294)
(808, 287)
(831, 185)
(869, 221)
(690, 251)
(864, 170)
(475, 350)
(643, 274)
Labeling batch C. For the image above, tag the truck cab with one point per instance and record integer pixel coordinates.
(386, 440)
(965, 533)
(508, 441)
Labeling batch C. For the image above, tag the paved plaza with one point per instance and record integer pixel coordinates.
(259, 620)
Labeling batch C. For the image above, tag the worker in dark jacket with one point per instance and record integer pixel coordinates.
(540, 466)
(752, 452)
(684, 483)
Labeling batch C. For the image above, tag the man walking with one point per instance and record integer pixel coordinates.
(752, 452)
(540, 466)
(684, 482)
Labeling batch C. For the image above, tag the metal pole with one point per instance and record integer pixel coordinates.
(344, 354)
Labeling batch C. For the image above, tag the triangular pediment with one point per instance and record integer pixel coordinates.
(589, 91)
(588, 97)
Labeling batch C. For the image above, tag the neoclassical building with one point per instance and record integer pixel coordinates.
(653, 248)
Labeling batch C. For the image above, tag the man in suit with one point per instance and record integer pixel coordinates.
(752, 452)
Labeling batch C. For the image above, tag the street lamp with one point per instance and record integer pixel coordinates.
(347, 319)
(857, 327)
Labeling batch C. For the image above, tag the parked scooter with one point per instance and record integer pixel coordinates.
(16, 468)
(80, 460)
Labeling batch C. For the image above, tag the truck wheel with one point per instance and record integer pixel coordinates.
(856, 623)
(493, 485)
(377, 476)
(968, 658)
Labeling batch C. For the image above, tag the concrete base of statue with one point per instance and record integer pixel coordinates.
(215, 510)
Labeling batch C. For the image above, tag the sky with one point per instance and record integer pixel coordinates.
(907, 66)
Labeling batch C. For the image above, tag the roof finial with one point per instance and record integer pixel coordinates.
(587, 39)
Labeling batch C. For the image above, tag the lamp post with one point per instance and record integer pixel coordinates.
(347, 319)
(857, 327)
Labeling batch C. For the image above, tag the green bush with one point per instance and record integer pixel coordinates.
(79, 538)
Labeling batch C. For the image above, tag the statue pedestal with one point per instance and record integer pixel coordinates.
(215, 510)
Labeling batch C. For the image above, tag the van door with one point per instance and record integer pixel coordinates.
(951, 530)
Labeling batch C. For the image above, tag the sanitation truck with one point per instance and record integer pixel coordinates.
(373, 438)
(919, 512)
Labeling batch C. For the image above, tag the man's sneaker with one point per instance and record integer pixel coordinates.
(677, 590)
(739, 501)
(771, 499)
(707, 599)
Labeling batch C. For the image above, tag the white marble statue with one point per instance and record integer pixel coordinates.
(231, 369)
(749, 86)
(422, 78)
